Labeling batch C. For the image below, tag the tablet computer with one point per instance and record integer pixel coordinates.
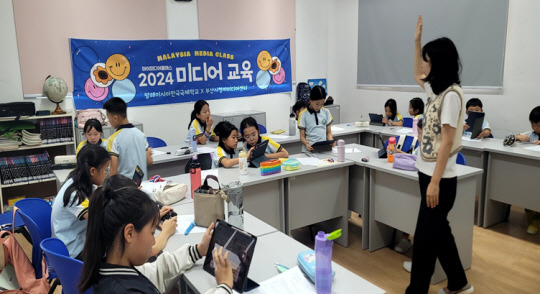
(257, 155)
(475, 120)
(240, 245)
(323, 146)
(138, 175)
(375, 119)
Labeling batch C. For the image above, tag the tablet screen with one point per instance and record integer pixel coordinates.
(240, 245)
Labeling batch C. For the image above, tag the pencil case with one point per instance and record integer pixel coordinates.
(270, 167)
(291, 164)
(306, 263)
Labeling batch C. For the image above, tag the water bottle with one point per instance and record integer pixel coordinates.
(193, 137)
(340, 150)
(415, 126)
(235, 204)
(391, 149)
(323, 263)
(242, 162)
(292, 125)
(194, 174)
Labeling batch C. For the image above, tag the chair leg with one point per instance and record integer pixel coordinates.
(507, 214)
(56, 282)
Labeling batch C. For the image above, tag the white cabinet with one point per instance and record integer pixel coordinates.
(58, 131)
(236, 117)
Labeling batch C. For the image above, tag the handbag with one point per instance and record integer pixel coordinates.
(171, 193)
(404, 161)
(86, 114)
(26, 276)
(208, 203)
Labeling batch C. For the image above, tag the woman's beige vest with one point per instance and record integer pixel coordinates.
(432, 128)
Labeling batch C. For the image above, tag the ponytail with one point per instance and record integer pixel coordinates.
(113, 206)
(90, 156)
(197, 108)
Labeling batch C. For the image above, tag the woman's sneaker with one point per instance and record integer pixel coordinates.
(468, 289)
(403, 245)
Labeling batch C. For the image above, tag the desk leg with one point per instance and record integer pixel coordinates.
(317, 197)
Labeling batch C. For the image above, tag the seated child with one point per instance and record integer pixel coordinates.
(314, 122)
(533, 217)
(92, 131)
(70, 208)
(391, 116)
(128, 146)
(119, 241)
(202, 123)
(225, 155)
(251, 133)
(298, 107)
(416, 108)
(474, 104)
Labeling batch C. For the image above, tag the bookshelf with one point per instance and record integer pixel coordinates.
(57, 134)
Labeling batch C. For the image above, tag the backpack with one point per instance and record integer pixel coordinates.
(303, 90)
(86, 114)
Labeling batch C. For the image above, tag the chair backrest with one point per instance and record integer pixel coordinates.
(460, 159)
(262, 129)
(36, 215)
(407, 122)
(155, 142)
(67, 268)
(205, 159)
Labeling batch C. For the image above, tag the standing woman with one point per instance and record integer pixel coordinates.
(436, 69)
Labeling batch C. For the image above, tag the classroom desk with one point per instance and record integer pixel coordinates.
(293, 199)
(512, 178)
(394, 203)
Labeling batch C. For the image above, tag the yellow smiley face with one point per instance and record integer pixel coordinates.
(118, 66)
(264, 60)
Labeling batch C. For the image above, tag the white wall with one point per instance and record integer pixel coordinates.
(507, 112)
(10, 72)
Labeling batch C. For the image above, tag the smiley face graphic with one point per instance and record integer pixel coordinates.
(264, 60)
(94, 92)
(118, 66)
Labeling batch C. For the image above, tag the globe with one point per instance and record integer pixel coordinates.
(55, 89)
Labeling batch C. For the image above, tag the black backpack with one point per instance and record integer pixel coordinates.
(302, 92)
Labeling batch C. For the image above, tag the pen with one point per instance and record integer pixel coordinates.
(281, 268)
(191, 226)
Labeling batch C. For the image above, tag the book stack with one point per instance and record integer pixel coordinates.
(56, 130)
(30, 139)
(8, 144)
(20, 169)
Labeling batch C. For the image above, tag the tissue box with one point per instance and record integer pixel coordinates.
(270, 167)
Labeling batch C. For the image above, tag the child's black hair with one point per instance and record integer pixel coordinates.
(92, 124)
(317, 93)
(116, 106)
(391, 103)
(223, 130)
(197, 108)
(248, 122)
(299, 105)
(473, 102)
(112, 207)
(417, 104)
(445, 64)
(534, 116)
(90, 156)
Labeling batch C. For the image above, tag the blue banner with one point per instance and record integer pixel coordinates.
(152, 72)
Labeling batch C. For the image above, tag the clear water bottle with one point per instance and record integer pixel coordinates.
(292, 125)
(194, 174)
(323, 263)
(340, 150)
(242, 162)
(193, 137)
(391, 149)
(235, 205)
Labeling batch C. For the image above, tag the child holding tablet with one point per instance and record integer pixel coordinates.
(251, 133)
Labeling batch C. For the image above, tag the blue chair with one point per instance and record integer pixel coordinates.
(155, 142)
(262, 129)
(67, 268)
(407, 122)
(6, 221)
(461, 159)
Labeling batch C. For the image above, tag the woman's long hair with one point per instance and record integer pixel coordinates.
(445, 64)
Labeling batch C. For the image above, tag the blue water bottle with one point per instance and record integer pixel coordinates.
(193, 137)
(323, 263)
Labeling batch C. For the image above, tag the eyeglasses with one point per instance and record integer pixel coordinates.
(253, 135)
(106, 170)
